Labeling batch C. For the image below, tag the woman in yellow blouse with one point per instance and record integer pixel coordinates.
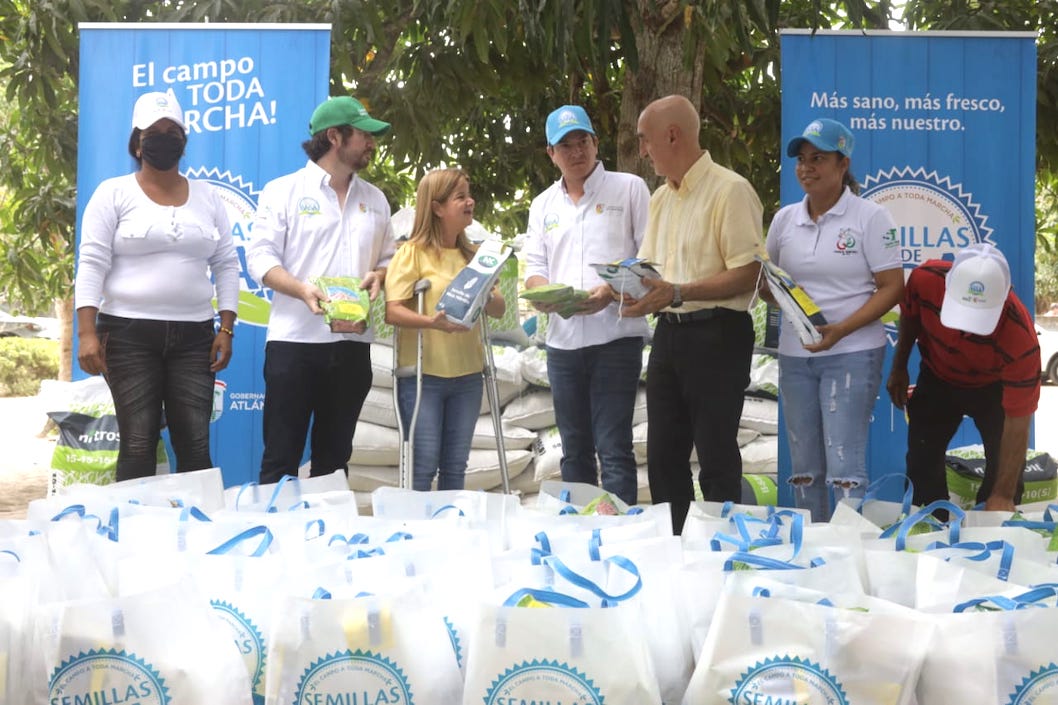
(453, 358)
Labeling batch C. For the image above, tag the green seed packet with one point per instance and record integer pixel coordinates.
(548, 293)
(349, 308)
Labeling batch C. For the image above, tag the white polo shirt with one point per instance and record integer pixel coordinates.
(565, 239)
(138, 259)
(300, 228)
(835, 260)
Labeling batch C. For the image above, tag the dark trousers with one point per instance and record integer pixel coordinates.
(594, 390)
(934, 412)
(322, 382)
(696, 378)
(153, 365)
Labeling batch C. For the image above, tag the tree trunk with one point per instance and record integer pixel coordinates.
(660, 32)
(64, 312)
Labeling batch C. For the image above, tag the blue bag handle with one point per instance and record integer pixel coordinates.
(445, 508)
(560, 568)
(875, 488)
(230, 545)
(954, 522)
(984, 552)
(1009, 604)
(188, 513)
(758, 561)
(548, 597)
(357, 538)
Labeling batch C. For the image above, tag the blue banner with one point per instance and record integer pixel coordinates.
(247, 92)
(945, 127)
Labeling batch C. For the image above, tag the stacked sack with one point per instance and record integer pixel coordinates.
(174, 590)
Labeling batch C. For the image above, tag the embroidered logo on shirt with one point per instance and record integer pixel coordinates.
(363, 207)
(846, 244)
(550, 222)
(890, 239)
(308, 206)
(599, 208)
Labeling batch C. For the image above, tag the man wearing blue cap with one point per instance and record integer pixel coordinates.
(322, 220)
(594, 357)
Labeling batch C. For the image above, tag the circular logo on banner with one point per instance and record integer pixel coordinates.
(248, 639)
(788, 680)
(543, 682)
(1038, 688)
(935, 218)
(354, 677)
(240, 204)
(107, 676)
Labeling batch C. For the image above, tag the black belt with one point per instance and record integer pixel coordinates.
(690, 317)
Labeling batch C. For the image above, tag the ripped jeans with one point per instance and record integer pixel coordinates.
(827, 402)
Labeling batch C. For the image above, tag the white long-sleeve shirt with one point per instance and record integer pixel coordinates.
(139, 259)
(300, 227)
(566, 238)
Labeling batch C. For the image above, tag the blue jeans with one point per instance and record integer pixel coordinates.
(827, 402)
(153, 365)
(448, 410)
(594, 391)
(322, 382)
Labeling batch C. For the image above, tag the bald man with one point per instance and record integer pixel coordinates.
(704, 230)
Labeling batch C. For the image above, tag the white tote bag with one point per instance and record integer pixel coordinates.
(584, 655)
(393, 649)
(1004, 657)
(773, 650)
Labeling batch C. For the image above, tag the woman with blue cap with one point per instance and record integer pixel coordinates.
(844, 251)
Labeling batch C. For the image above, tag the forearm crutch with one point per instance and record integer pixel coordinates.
(406, 441)
(494, 402)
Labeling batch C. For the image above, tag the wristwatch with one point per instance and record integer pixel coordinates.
(677, 297)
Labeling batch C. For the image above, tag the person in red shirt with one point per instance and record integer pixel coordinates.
(980, 358)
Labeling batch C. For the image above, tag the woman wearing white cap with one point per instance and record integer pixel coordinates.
(150, 241)
(844, 251)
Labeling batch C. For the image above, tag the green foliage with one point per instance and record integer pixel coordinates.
(24, 362)
(468, 83)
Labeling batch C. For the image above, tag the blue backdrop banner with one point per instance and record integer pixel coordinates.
(247, 92)
(945, 128)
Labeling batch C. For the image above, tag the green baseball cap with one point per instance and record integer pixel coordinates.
(345, 110)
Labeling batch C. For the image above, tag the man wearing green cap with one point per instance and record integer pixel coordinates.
(322, 220)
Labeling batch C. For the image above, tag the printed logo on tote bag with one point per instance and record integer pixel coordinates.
(107, 676)
(787, 681)
(354, 677)
(543, 681)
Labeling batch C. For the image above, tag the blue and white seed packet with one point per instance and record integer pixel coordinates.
(468, 293)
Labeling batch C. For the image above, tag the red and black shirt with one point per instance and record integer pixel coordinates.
(1010, 355)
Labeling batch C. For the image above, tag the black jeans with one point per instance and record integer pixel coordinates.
(153, 365)
(934, 412)
(696, 380)
(324, 382)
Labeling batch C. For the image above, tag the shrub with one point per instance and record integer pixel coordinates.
(24, 362)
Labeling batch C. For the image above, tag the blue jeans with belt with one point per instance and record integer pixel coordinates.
(827, 401)
(153, 365)
(594, 391)
(444, 429)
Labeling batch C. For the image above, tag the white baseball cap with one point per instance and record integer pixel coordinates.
(154, 106)
(976, 290)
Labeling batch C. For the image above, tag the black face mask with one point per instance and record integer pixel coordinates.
(162, 150)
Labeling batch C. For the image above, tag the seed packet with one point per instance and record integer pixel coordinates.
(349, 308)
(562, 294)
(625, 276)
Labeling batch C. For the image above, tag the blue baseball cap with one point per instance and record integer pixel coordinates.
(827, 135)
(565, 120)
